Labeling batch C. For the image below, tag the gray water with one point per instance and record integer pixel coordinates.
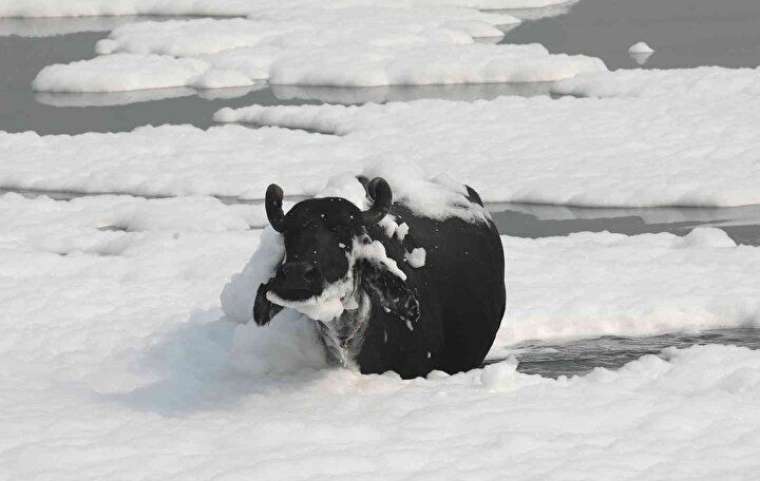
(742, 224)
(683, 33)
(22, 56)
(22, 109)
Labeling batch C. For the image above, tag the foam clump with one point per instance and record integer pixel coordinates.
(640, 48)
(120, 72)
(700, 84)
(88, 8)
(349, 45)
(707, 237)
(238, 295)
(416, 258)
(109, 353)
(288, 344)
(217, 78)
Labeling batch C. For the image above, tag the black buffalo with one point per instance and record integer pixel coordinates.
(411, 319)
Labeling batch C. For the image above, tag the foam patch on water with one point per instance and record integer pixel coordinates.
(120, 72)
(84, 8)
(700, 84)
(640, 48)
(572, 151)
(356, 45)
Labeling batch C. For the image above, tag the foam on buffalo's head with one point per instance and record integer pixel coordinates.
(319, 236)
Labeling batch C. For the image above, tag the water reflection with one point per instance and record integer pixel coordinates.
(493, 40)
(611, 352)
(641, 58)
(406, 93)
(111, 99)
(230, 92)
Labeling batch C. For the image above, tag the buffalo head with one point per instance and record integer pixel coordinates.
(329, 254)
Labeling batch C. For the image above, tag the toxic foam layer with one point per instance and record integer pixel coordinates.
(356, 45)
(560, 151)
(121, 72)
(702, 84)
(695, 150)
(128, 350)
(75, 8)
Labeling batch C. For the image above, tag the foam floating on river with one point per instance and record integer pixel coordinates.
(114, 343)
(86, 8)
(640, 48)
(350, 46)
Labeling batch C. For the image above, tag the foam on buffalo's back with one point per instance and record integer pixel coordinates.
(438, 197)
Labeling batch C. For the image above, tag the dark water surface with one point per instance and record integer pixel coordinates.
(612, 352)
(742, 224)
(22, 109)
(29, 45)
(683, 33)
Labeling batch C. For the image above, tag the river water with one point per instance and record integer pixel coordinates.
(684, 33)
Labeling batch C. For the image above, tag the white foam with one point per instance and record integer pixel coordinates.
(476, 63)
(640, 48)
(83, 8)
(326, 307)
(121, 72)
(92, 8)
(107, 99)
(110, 353)
(642, 285)
(119, 332)
(416, 258)
(560, 151)
(401, 231)
(216, 79)
(698, 84)
(354, 44)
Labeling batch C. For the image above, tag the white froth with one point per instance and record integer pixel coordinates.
(348, 44)
(639, 48)
(416, 258)
(115, 338)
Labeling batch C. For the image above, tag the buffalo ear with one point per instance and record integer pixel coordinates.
(273, 205)
(382, 196)
(392, 293)
(263, 309)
